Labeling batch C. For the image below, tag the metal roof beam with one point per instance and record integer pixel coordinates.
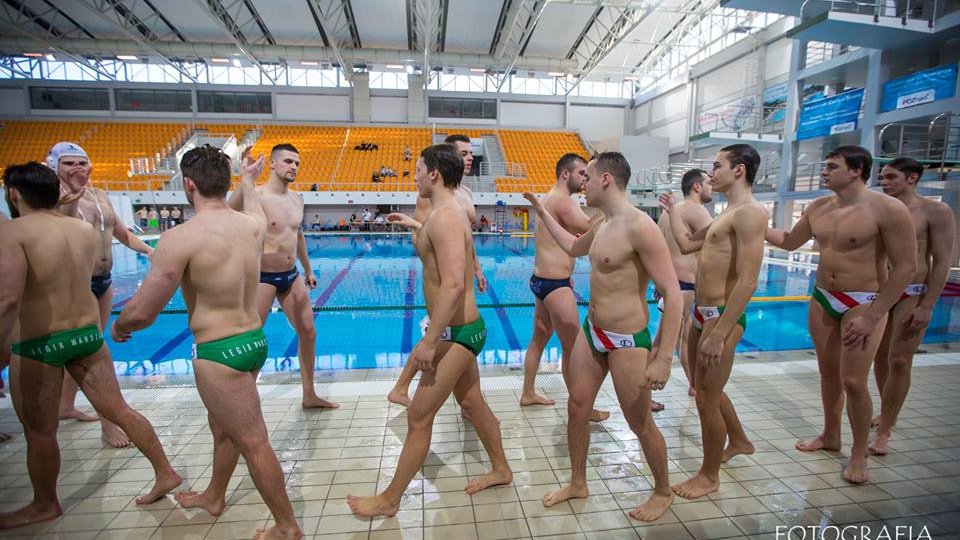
(522, 23)
(335, 21)
(239, 18)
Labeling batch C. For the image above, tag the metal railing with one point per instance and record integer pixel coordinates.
(507, 169)
(924, 10)
(935, 143)
(817, 52)
(738, 112)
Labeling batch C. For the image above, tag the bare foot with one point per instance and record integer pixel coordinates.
(656, 406)
(113, 436)
(691, 391)
(164, 484)
(821, 442)
(77, 414)
(492, 478)
(736, 450)
(369, 507)
(278, 533)
(535, 399)
(879, 445)
(4, 437)
(315, 402)
(569, 491)
(651, 510)
(191, 499)
(29, 514)
(856, 471)
(696, 487)
(398, 397)
(599, 416)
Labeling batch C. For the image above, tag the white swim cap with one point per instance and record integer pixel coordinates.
(62, 149)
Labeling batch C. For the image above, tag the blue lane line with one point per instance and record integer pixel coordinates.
(406, 338)
(504, 319)
(171, 344)
(291, 349)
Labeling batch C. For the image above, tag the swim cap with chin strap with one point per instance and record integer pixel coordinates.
(62, 149)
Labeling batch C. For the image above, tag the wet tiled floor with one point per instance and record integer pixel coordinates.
(354, 449)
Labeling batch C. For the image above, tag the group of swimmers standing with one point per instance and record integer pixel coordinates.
(883, 262)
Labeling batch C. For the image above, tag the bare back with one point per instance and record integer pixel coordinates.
(684, 265)
(550, 261)
(717, 267)
(852, 251)
(464, 197)
(221, 250)
(95, 208)
(618, 278)
(284, 213)
(466, 310)
(61, 252)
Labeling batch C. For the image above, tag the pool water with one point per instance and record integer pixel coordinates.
(369, 301)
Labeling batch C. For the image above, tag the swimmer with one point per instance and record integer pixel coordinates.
(279, 278)
(447, 352)
(216, 257)
(555, 305)
(626, 251)
(858, 231)
(908, 320)
(731, 252)
(696, 192)
(93, 206)
(46, 262)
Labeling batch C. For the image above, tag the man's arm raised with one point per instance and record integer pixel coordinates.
(123, 234)
(13, 277)
(900, 244)
(166, 271)
(246, 196)
(749, 226)
(446, 236)
(681, 223)
(573, 246)
(798, 235)
(572, 217)
(942, 228)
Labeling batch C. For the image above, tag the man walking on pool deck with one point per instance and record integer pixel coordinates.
(93, 206)
(696, 191)
(399, 394)
(46, 262)
(935, 228)
(447, 352)
(556, 307)
(216, 256)
(731, 252)
(858, 232)
(626, 251)
(278, 273)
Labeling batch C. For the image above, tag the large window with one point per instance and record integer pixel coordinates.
(234, 102)
(463, 108)
(77, 99)
(153, 100)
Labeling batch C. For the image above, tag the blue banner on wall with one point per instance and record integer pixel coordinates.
(830, 115)
(919, 88)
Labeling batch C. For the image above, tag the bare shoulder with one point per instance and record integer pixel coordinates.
(937, 209)
(640, 222)
(465, 189)
(886, 203)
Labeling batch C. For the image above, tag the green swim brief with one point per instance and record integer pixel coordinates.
(242, 352)
(472, 336)
(60, 348)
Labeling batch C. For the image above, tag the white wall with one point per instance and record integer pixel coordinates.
(669, 104)
(777, 62)
(675, 132)
(641, 116)
(539, 115)
(313, 107)
(12, 101)
(597, 123)
(388, 109)
(723, 82)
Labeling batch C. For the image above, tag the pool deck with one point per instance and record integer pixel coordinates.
(353, 450)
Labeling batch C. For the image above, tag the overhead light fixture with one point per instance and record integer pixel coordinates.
(394, 66)
(33, 54)
(236, 62)
(126, 57)
(631, 78)
(50, 57)
(220, 60)
(556, 74)
(309, 63)
(477, 70)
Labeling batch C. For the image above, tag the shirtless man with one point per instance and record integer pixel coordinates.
(216, 256)
(46, 262)
(626, 251)
(93, 206)
(447, 352)
(400, 394)
(858, 232)
(555, 306)
(278, 272)
(5, 342)
(908, 320)
(696, 192)
(731, 252)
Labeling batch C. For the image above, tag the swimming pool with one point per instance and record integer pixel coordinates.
(369, 301)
